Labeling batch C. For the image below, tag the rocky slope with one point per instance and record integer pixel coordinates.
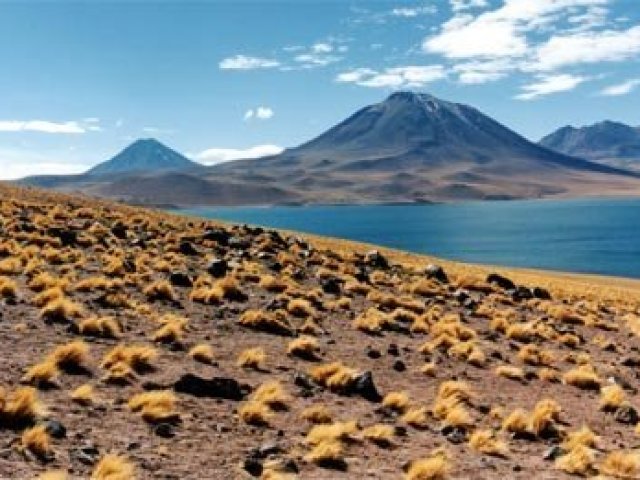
(153, 346)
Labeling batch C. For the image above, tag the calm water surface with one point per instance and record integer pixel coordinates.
(593, 236)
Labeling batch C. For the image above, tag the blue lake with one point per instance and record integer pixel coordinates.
(586, 235)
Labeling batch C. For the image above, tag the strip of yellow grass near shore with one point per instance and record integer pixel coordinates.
(598, 287)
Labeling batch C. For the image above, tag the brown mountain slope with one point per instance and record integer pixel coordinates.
(173, 347)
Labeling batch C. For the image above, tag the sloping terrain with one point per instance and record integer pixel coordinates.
(142, 345)
(607, 142)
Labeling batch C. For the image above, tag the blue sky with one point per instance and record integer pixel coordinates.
(224, 79)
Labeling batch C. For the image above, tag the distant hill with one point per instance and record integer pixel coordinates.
(144, 155)
(411, 147)
(607, 142)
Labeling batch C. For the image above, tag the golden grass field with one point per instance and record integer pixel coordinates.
(140, 344)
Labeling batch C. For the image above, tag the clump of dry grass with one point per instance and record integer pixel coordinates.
(21, 407)
(416, 417)
(379, 434)
(41, 374)
(612, 397)
(300, 307)
(510, 372)
(270, 322)
(396, 401)
(172, 329)
(160, 290)
(304, 347)
(71, 356)
(272, 394)
(105, 327)
(8, 288)
(83, 395)
(255, 413)
(272, 284)
(113, 467)
(531, 354)
(619, 464)
(37, 441)
(252, 358)
(122, 361)
(435, 467)
(583, 437)
(202, 353)
(578, 461)
(155, 406)
(329, 453)
(317, 414)
(334, 376)
(584, 377)
(372, 321)
(342, 431)
(485, 441)
(60, 309)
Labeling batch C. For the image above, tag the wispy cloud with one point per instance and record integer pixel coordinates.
(410, 12)
(548, 84)
(459, 5)
(19, 163)
(623, 88)
(158, 130)
(46, 126)
(213, 156)
(259, 113)
(411, 76)
(243, 62)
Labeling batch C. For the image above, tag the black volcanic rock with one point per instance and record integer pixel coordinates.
(144, 155)
(607, 142)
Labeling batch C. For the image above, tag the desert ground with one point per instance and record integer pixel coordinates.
(139, 344)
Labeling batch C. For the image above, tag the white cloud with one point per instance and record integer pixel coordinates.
(157, 130)
(459, 5)
(312, 60)
(397, 77)
(586, 47)
(548, 84)
(476, 71)
(243, 62)
(260, 113)
(410, 12)
(43, 126)
(322, 48)
(213, 156)
(623, 88)
(16, 164)
(501, 32)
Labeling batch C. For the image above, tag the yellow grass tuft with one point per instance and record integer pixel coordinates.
(8, 288)
(372, 321)
(271, 322)
(583, 376)
(105, 327)
(620, 464)
(485, 441)
(379, 434)
(300, 307)
(584, 437)
(326, 453)
(334, 376)
(60, 310)
(611, 398)
(22, 407)
(202, 353)
(578, 461)
(510, 372)
(114, 467)
(271, 394)
(70, 356)
(255, 413)
(136, 357)
(83, 395)
(335, 431)
(416, 417)
(155, 406)
(160, 290)
(303, 347)
(435, 467)
(41, 374)
(396, 401)
(252, 358)
(317, 414)
(37, 441)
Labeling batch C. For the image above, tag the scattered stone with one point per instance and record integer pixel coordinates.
(375, 259)
(187, 248)
(218, 235)
(217, 387)
(217, 268)
(552, 453)
(627, 415)
(501, 281)
(373, 353)
(119, 231)
(521, 293)
(541, 293)
(436, 272)
(393, 350)
(180, 279)
(364, 386)
(253, 466)
(164, 430)
(331, 285)
(56, 429)
(399, 366)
